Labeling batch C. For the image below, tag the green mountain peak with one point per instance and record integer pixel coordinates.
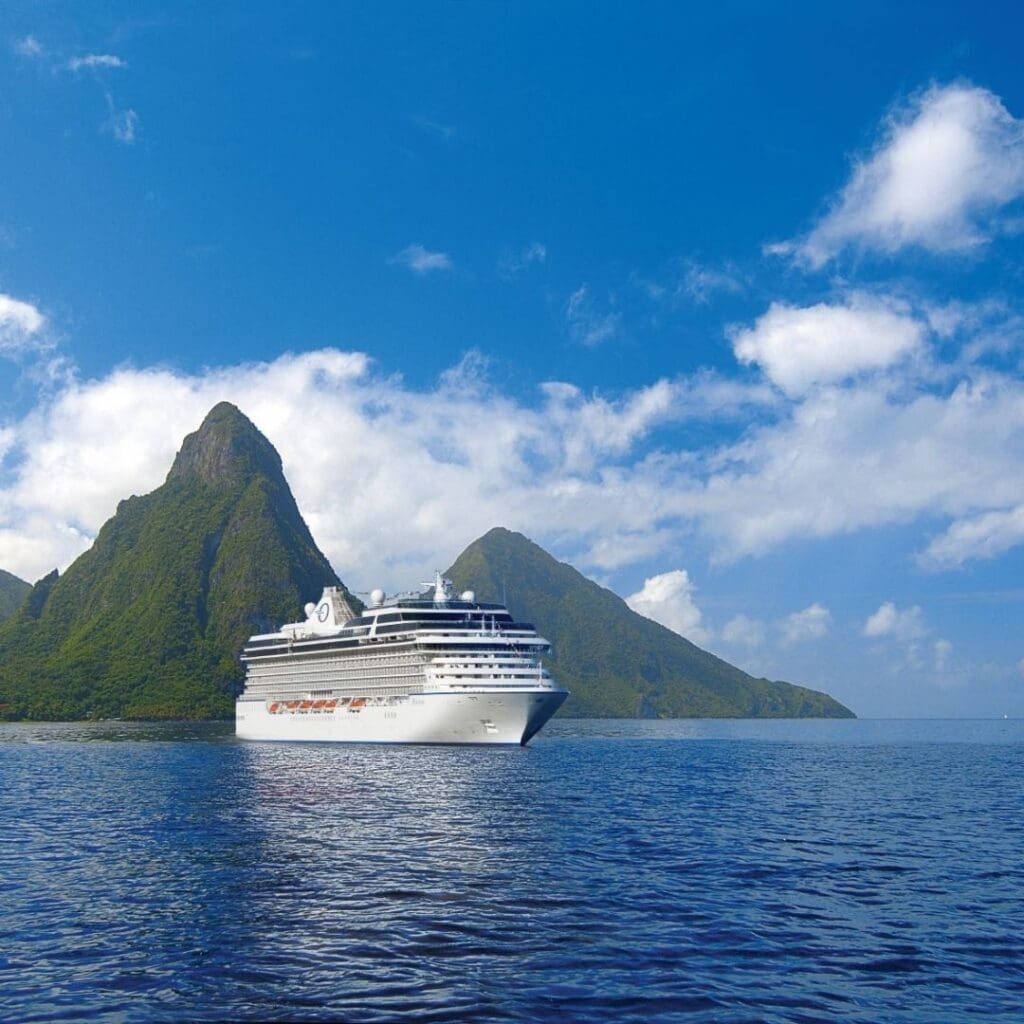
(616, 662)
(226, 448)
(149, 622)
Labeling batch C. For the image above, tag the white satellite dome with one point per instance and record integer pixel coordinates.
(468, 595)
(309, 609)
(376, 598)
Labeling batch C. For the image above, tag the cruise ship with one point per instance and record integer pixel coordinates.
(410, 669)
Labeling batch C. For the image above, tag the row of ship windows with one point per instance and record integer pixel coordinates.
(382, 645)
(271, 676)
(332, 665)
(395, 666)
(406, 660)
(387, 655)
(335, 664)
(353, 659)
(485, 670)
(522, 663)
(318, 682)
(482, 675)
(409, 672)
(491, 685)
(367, 684)
(299, 693)
(340, 674)
(387, 636)
(333, 684)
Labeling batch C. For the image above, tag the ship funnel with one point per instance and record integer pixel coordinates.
(332, 611)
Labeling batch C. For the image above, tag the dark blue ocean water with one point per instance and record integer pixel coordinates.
(613, 871)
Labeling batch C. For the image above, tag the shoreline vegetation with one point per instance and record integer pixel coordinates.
(148, 623)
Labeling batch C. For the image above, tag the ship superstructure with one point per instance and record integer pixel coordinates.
(412, 669)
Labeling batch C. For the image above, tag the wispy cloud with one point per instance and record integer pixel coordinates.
(28, 46)
(945, 165)
(438, 128)
(421, 260)
(512, 264)
(588, 324)
(468, 375)
(96, 60)
(687, 282)
(975, 537)
(122, 124)
(702, 282)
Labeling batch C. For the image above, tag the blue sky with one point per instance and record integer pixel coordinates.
(722, 305)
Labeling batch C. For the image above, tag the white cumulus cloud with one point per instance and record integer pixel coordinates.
(947, 162)
(605, 480)
(421, 260)
(743, 631)
(908, 630)
(799, 347)
(362, 451)
(903, 624)
(811, 623)
(669, 599)
(21, 325)
(852, 458)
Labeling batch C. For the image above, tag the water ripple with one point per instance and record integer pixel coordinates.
(722, 872)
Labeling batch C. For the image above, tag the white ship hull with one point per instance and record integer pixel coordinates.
(509, 717)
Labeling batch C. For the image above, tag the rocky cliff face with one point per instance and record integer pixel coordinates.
(149, 622)
(225, 451)
(617, 663)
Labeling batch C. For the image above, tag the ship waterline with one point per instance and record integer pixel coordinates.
(410, 670)
(506, 718)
